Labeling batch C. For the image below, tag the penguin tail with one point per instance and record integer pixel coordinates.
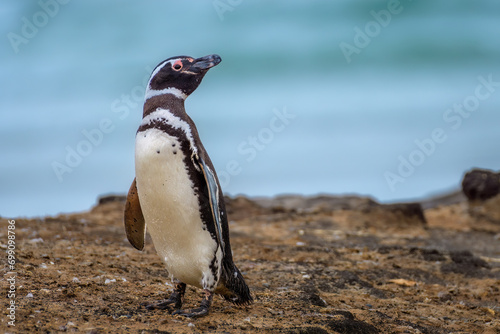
(233, 287)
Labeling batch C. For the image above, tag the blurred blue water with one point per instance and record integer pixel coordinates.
(352, 120)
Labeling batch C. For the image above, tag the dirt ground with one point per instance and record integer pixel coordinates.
(314, 265)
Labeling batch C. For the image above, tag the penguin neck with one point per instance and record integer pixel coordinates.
(165, 101)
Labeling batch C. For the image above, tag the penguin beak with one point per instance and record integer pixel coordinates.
(204, 63)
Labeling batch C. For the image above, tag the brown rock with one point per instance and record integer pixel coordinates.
(481, 184)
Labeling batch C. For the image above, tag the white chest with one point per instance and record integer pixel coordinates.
(171, 208)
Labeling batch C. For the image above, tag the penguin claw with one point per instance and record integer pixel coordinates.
(193, 313)
(200, 311)
(163, 304)
(173, 302)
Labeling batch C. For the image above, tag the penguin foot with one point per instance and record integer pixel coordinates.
(174, 301)
(200, 311)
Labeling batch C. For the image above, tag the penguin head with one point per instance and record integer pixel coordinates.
(181, 75)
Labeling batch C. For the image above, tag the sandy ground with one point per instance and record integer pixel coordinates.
(314, 265)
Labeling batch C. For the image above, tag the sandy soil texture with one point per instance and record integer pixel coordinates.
(314, 265)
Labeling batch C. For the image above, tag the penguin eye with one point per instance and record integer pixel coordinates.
(177, 65)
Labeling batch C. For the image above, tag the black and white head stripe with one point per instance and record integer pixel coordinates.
(179, 76)
(169, 90)
(150, 92)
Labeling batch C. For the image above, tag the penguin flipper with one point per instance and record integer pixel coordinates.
(213, 196)
(135, 225)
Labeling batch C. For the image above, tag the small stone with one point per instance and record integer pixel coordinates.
(403, 282)
(274, 312)
(489, 310)
(109, 281)
(444, 296)
(29, 295)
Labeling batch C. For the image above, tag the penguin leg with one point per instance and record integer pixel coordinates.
(200, 311)
(175, 299)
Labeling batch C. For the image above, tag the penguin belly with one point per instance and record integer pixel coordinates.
(172, 212)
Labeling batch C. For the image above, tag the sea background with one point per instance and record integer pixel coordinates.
(351, 120)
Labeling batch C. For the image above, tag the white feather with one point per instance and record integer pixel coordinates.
(170, 90)
(171, 209)
(165, 115)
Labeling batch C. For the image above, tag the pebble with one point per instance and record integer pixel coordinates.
(108, 281)
(274, 312)
(75, 280)
(29, 295)
(444, 296)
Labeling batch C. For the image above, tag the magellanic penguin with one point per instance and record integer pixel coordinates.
(177, 195)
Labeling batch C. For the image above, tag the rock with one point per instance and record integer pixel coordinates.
(481, 184)
(400, 215)
(240, 207)
(482, 189)
(111, 198)
(320, 203)
(485, 215)
(444, 199)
